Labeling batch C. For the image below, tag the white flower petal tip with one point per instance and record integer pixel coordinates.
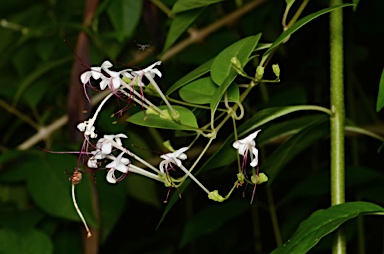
(248, 145)
(174, 158)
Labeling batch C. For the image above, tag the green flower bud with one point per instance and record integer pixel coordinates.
(259, 72)
(262, 178)
(276, 70)
(215, 196)
(236, 63)
(259, 179)
(240, 177)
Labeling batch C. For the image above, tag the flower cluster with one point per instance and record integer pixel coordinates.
(108, 152)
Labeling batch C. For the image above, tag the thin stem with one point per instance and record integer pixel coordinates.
(194, 179)
(164, 8)
(143, 172)
(19, 114)
(337, 119)
(142, 98)
(298, 13)
(199, 35)
(79, 212)
(151, 80)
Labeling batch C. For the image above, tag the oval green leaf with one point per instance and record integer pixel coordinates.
(179, 24)
(187, 119)
(196, 73)
(323, 222)
(124, 16)
(201, 91)
(221, 68)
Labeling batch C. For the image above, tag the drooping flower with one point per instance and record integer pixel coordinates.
(248, 145)
(120, 164)
(105, 144)
(172, 158)
(112, 80)
(149, 70)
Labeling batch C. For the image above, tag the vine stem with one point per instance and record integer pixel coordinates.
(337, 118)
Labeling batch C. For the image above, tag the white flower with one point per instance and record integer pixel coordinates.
(92, 163)
(149, 70)
(105, 144)
(174, 158)
(95, 73)
(87, 128)
(119, 164)
(248, 145)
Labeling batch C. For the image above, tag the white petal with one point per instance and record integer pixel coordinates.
(255, 160)
(85, 77)
(111, 176)
(106, 147)
(96, 72)
(157, 72)
(126, 74)
(104, 83)
(161, 166)
(82, 126)
(116, 83)
(122, 168)
(106, 65)
(92, 163)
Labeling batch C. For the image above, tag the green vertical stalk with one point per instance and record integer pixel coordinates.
(337, 119)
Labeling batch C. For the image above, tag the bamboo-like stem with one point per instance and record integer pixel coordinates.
(337, 119)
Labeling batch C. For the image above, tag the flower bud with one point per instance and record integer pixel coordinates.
(236, 63)
(215, 196)
(276, 70)
(259, 72)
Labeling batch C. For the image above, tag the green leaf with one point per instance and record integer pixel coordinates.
(301, 23)
(113, 199)
(185, 5)
(201, 91)
(187, 119)
(37, 73)
(292, 147)
(323, 222)
(51, 190)
(124, 16)
(219, 93)
(380, 96)
(196, 73)
(222, 72)
(29, 241)
(211, 219)
(221, 68)
(179, 24)
(143, 189)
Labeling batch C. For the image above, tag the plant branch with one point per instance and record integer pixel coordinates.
(199, 35)
(337, 119)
